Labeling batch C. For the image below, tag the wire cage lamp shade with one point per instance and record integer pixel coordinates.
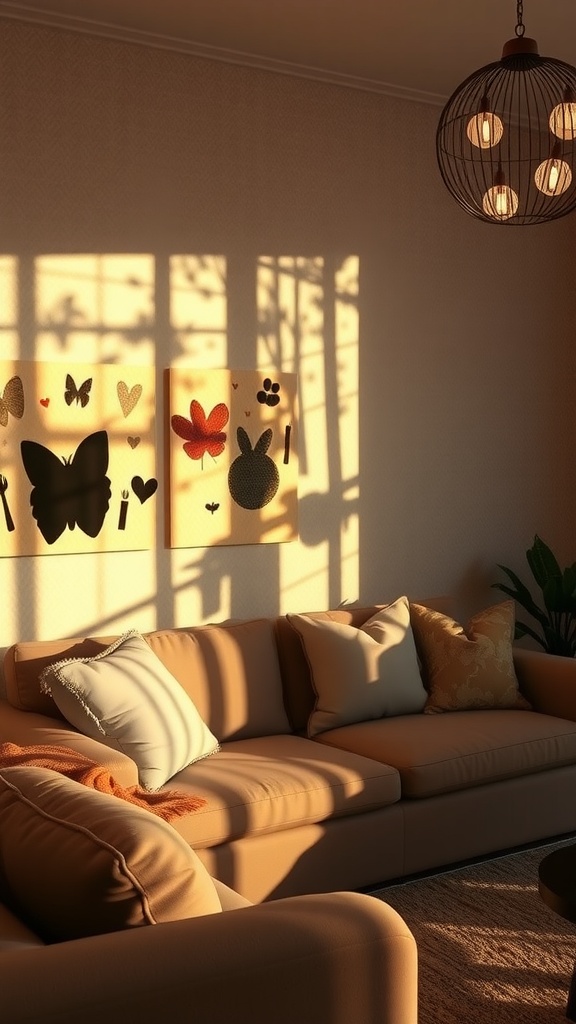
(506, 139)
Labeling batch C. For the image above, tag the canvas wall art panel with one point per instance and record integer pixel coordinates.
(77, 458)
(233, 457)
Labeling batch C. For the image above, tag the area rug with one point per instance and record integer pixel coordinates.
(489, 950)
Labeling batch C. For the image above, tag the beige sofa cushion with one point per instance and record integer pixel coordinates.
(76, 862)
(468, 668)
(125, 697)
(361, 673)
(230, 671)
(269, 783)
(441, 753)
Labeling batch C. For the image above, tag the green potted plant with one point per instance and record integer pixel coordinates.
(555, 611)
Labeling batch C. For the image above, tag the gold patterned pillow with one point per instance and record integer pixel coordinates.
(468, 668)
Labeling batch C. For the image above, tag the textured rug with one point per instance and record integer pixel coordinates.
(490, 951)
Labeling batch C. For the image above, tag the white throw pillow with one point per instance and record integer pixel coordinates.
(127, 699)
(361, 674)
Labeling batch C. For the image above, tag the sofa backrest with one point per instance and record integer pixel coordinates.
(247, 678)
(230, 670)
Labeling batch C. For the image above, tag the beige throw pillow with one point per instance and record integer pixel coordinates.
(468, 668)
(361, 674)
(76, 862)
(127, 699)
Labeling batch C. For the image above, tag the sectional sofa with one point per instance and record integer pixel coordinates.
(320, 752)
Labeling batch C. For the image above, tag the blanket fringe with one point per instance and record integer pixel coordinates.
(167, 804)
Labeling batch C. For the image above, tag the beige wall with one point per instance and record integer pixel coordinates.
(433, 352)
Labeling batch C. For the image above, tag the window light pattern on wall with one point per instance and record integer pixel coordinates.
(506, 140)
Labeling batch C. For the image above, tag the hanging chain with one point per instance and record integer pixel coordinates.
(519, 30)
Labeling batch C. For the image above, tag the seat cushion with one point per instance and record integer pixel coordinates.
(442, 753)
(279, 782)
(75, 862)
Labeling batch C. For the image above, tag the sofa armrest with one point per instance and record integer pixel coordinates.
(548, 681)
(27, 728)
(326, 959)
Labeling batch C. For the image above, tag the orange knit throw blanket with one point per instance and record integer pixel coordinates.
(167, 804)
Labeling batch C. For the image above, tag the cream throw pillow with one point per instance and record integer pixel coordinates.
(76, 862)
(468, 668)
(127, 699)
(361, 674)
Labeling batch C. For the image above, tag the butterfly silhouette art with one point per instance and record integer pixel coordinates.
(12, 400)
(81, 394)
(202, 433)
(68, 492)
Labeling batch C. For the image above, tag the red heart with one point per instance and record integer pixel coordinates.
(45, 402)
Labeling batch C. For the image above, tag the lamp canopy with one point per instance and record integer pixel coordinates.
(506, 139)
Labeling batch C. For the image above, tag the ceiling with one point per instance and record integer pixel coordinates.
(419, 48)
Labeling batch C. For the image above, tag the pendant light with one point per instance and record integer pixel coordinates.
(506, 140)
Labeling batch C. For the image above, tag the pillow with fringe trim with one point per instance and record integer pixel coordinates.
(126, 698)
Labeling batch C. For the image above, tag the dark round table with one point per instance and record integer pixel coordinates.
(557, 887)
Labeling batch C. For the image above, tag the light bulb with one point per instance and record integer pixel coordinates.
(563, 120)
(485, 129)
(553, 176)
(500, 202)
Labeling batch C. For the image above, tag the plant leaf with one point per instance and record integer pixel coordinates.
(556, 613)
(569, 587)
(542, 562)
(522, 595)
(553, 594)
(521, 629)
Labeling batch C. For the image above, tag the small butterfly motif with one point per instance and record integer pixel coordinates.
(80, 394)
(202, 433)
(12, 400)
(212, 506)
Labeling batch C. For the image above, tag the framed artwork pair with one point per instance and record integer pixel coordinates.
(79, 465)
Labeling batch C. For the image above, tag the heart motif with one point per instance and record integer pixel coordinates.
(142, 490)
(45, 402)
(133, 441)
(128, 398)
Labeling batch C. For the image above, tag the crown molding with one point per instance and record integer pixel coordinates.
(87, 26)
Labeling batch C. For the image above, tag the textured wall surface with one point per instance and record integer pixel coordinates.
(156, 208)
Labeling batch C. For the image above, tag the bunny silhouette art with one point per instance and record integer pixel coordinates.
(253, 477)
